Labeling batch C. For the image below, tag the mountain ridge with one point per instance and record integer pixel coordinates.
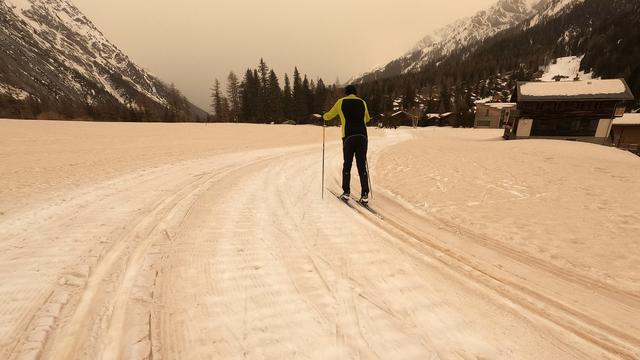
(592, 39)
(501, 16)
(52, 54)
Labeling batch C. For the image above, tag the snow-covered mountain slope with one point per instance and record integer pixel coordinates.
(565, 69)
(548, 9)
(503, 15)
(52, 52)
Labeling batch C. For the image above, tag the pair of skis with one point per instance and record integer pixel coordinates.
(360, 203)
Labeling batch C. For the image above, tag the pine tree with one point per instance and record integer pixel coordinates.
(308, 96)
(408, 99)
(258, 94)
(445, 101)
(263, 106)
(287, 98)
(299, 108)
(311, 102)
(216, 100)
(247, 98)
(224, 109)
(233, 95)
(274, 98)
(263, 71)
(320, 98)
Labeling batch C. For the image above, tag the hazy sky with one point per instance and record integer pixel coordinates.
(191, 42)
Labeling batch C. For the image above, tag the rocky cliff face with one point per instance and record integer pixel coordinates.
(51, 53)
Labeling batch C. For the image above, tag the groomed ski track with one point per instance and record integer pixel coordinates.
(236, 256)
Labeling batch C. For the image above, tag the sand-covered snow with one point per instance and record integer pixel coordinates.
(189, 241)
(42, 157)
(573, 204)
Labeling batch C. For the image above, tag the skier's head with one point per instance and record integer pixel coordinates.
(351, 90)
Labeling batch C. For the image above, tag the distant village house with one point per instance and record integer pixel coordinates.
(435, 119)
(625, 132)
(400, 118)
(572, 110)
(493, 115)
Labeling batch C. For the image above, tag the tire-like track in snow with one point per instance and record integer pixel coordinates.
(236, 256)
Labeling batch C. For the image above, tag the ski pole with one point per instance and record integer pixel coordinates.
(323, 150)
(369, 178)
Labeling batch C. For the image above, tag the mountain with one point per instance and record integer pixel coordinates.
(562, 40)
(54, 62)
(505, 14)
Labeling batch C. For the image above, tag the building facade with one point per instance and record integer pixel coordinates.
(493, 115)
(625, 133)
(572, 110)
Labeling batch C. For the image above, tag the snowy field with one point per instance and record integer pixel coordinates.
(212, 241)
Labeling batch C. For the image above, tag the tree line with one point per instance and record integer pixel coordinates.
(260, 98)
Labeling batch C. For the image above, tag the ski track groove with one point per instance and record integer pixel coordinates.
(614, 340)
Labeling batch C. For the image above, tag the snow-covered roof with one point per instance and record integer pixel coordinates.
(613, 89)
(628, 119)
(438, 116)
(500, 106)
(485, 100)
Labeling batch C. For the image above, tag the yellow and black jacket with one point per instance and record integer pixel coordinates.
(354, 116)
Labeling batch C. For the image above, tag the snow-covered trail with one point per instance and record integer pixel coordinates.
(236, 256)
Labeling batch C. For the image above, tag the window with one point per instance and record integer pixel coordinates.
(565, 127)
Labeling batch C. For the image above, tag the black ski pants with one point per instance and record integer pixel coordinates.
(355, 145)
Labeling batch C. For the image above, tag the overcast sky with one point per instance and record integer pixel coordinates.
(191, 42)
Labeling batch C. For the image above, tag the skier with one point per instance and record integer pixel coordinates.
(354, 116)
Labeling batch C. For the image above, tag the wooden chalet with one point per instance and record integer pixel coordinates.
(493, 115)
(572, 110)
(625, 133)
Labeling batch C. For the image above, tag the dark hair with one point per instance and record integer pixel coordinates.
(351, 90)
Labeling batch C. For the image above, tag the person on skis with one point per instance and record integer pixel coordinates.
(354, 116)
